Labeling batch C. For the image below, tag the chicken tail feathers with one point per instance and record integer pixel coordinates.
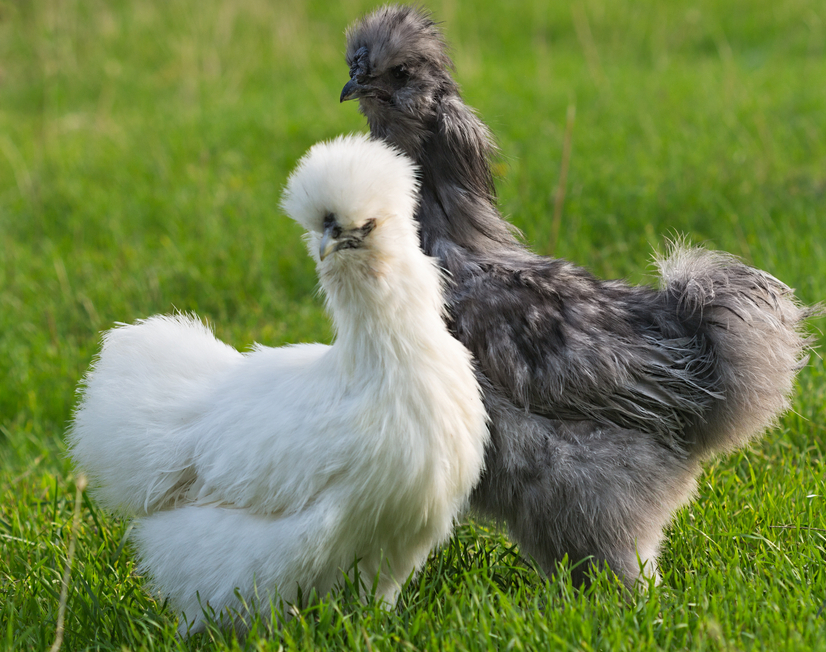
(150, 379)
(755, 327)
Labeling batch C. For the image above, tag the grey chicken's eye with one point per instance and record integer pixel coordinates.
(399, 73)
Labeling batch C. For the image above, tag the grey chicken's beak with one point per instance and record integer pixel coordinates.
(328, 243)
(350, 91)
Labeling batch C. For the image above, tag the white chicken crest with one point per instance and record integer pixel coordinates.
(271, 471)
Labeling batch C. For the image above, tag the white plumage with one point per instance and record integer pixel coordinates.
(274, 470)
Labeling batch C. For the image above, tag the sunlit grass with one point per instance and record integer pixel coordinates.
(143, 146)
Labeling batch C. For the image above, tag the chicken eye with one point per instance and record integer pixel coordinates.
(330, 223)
(399, 73)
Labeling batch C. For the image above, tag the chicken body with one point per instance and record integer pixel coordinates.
(604, 398)
(273, 471)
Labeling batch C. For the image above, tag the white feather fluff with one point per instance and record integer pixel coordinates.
(273, 470)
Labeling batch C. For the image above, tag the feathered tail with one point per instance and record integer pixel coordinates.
(755, 327)
(150, 379)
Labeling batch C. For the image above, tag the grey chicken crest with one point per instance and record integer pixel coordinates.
(604, 398)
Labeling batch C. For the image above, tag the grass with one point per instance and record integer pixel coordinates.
(143, 145)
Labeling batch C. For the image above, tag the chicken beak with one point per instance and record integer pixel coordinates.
(351, 90)
(328, 244)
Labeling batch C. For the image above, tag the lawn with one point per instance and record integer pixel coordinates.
(143, 148)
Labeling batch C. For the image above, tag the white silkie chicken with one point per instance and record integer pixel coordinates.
(271, 471)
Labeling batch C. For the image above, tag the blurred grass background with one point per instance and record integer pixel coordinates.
(143, 147)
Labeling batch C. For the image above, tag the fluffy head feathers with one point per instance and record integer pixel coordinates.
(400, 73)
(343, 189)
(396, 55)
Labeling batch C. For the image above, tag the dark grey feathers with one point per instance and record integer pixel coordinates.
(604, 398)
(457, 179)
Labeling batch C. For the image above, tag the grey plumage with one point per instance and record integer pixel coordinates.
(605, 398)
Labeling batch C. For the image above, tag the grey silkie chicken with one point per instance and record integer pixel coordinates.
(604, 398)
